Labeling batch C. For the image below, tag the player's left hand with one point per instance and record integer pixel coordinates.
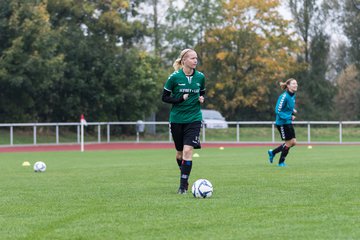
(201, 99)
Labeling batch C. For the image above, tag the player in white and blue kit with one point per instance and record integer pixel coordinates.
(285, 114)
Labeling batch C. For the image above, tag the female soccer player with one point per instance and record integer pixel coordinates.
(285, 114)
(185, 89)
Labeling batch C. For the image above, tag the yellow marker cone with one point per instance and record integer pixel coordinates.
(196, 155)
(221, 148)
(26, 164)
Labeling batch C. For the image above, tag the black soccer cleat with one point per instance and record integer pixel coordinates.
(182, 191)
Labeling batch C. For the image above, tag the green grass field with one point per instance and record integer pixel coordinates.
(131, 194)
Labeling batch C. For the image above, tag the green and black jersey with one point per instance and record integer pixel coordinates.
(175, 87)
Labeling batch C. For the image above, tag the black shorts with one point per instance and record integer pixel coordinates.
(287, 131)
(186, 134)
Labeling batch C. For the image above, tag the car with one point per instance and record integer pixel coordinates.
(213, 119)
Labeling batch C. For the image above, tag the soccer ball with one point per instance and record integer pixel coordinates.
(39, 167)
(202, 188)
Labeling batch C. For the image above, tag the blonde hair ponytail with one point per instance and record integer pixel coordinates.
(178, 62)
(284, 85)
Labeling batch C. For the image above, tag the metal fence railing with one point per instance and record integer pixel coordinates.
(337, 132)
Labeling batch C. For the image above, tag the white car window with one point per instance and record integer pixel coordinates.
(211, 114)
(213, 119)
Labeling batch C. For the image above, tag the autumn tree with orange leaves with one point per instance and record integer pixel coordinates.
(247, 57)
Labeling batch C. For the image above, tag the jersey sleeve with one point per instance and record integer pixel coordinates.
(168, 96)
(280, 108)
(169, 85)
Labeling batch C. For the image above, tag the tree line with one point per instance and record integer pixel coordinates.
(109, 59)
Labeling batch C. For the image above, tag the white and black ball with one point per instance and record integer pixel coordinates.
(202, 188)
(39, 166)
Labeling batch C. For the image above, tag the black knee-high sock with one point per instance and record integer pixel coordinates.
(179, 160)
(185, 173)
(284, 153)
(278, 149)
